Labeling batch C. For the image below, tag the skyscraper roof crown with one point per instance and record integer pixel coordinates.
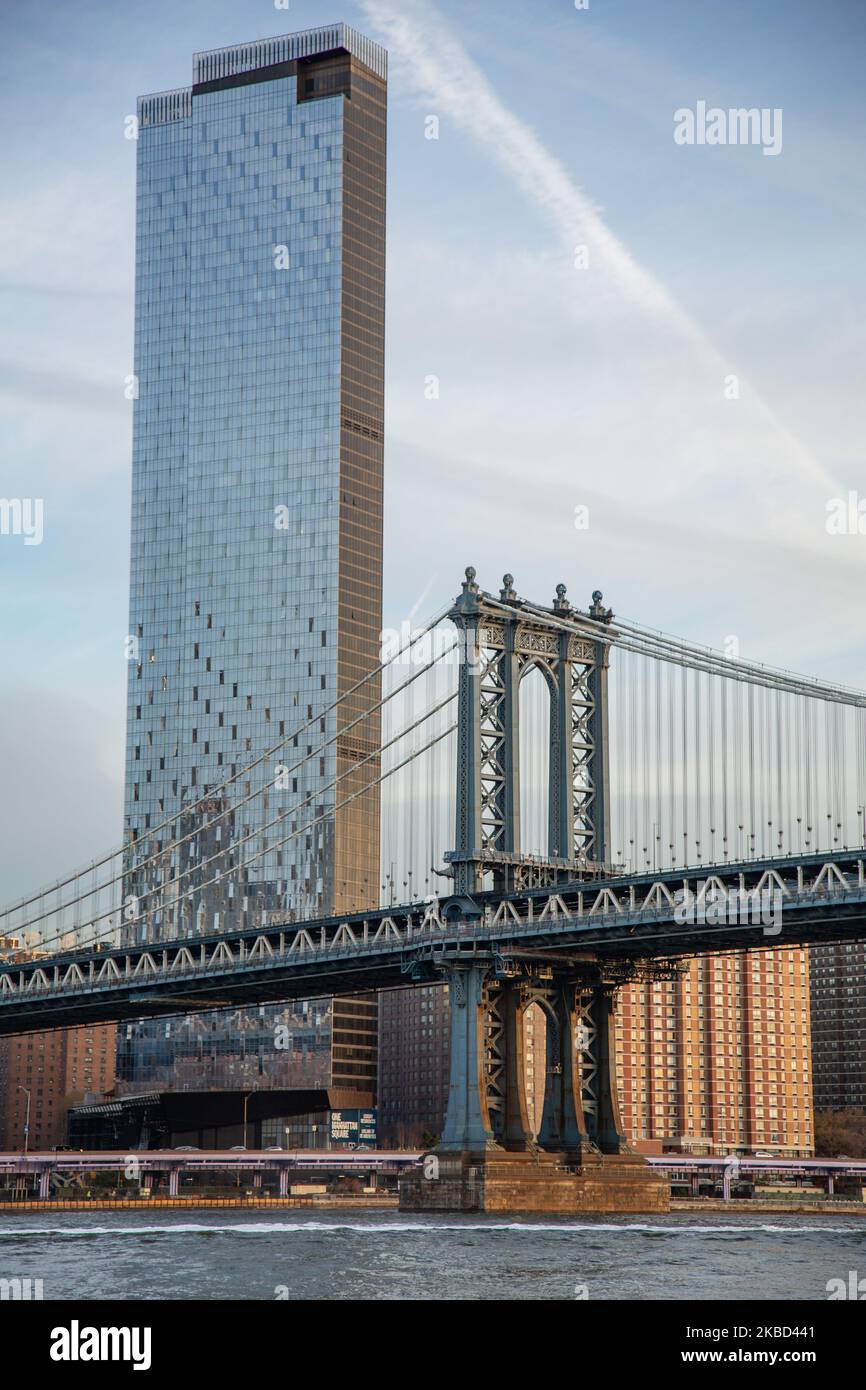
(261, 53)
(213, 64)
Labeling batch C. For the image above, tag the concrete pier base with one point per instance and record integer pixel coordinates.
(497, 1181)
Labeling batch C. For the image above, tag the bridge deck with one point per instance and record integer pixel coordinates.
(785, 902)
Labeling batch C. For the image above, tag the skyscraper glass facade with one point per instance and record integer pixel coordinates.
(256, 531)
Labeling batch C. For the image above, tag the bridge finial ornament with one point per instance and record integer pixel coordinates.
(467, 601)
(508, 593)
(561, 603)
(598, 611)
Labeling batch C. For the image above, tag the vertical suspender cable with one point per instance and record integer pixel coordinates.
(657, 830)
(684, 770)
(725, 690)
(673, 759)
(778, 813)
(750, 697)
(699, 808)
(711, 764)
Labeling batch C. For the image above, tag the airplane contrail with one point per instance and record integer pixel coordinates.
(445, 76)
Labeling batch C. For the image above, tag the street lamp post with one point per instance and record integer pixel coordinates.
(26, 1091)
(246, 1100)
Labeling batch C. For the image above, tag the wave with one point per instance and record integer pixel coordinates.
(266, 1228)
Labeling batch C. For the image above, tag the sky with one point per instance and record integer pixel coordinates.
(613, 360)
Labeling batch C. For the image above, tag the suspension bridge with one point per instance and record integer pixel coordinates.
(573, 801)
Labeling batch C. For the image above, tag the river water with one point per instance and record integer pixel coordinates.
(386, 1255)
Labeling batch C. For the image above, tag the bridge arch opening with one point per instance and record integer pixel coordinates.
(535, 1065)
(536, 712)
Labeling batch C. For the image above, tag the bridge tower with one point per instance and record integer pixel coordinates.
(488, 1157)
(500, 642)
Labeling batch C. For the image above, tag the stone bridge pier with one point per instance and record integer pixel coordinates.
(488, 1158)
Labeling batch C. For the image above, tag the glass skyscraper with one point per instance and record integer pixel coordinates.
(257, 532)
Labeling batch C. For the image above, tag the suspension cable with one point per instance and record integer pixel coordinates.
(216, 791)
(230, 810)
(260, 830)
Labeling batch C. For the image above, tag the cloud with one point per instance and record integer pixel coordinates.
(442, 73)
(53, 387)
(63, 759)
(560, 387)
(437, 68)
(72, 236)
